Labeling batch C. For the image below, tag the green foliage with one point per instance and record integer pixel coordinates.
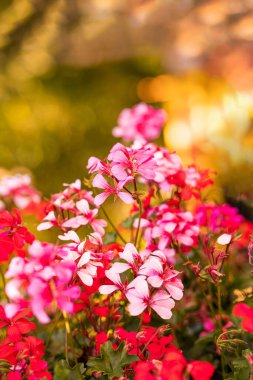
(241, 369)
(4, 366)
(62, 371)
(111, 362)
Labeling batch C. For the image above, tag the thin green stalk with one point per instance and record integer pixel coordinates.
(113, 226)
(52, 330)
(220, 325)
(4, 283)
(219, 303)
(68, 334)
(139, 223)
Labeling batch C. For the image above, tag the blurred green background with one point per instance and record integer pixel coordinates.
(69, 67)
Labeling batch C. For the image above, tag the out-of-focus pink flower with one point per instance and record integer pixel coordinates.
(141, 122)
(18, 188)
(42, 280)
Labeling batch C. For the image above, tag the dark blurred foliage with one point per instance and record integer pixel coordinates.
(66, 116)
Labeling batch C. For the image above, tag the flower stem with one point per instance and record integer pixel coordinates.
(4, 284)
(68, 334)
(139, 223)
(112, 224)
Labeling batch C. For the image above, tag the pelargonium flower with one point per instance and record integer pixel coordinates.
(75, 208)
(159, 277)
(17, 325)
(42, 280)
(219, 218)
(140, 298)
(118, 191)
(244, 311)
(141, 122)
(164, 225)
(13, 235)
(127, 162)
(18, 188)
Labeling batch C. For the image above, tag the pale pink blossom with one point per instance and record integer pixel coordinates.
(224, 239)
(100, 182)
(158, 277)
(130, 255)
(141, 122)
(18, 188)
(140, 298)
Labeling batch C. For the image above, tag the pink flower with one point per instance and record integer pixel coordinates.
(141, 122)
(140, 298)
(87, 217)
(130, 254)
(18, 188)
(42, 281)
(101, 183)
(158, 277)
(50, 221)
(130, 162)
(117, 283)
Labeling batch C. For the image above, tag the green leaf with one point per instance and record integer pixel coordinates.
(62, 371)
(111, 362)
(241, 369)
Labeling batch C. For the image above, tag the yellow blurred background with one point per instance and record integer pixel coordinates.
(69, 67)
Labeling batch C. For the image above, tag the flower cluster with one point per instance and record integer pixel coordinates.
(21, 355)
(161, 294)
(142, 122)
(155, 284)
(18, 188)
(41, 281)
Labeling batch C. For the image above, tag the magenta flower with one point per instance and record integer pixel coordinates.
(130, 162)
(141, 122)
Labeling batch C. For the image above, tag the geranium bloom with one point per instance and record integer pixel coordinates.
(18, 188)
(42, 280)
(13, 236)
(101, 183)
(141, 122)
(130, 255)
(117, 283)
(165, 224)
(87, 216)
(244, 311)
(140, 298)
(157, 276)
(18, 325)
(127, 162)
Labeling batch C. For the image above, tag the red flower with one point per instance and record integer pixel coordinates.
(13, 235)
(200, 370)
(17, 325)
(244, 311)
